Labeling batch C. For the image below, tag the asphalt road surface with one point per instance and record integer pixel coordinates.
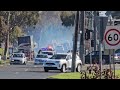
(28, 71)
(31, 71)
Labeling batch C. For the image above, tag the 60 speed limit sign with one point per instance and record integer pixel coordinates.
(112, 37)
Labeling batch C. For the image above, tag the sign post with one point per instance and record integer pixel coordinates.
(103, 22)
(112, 40)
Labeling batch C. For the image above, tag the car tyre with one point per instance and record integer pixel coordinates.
(63, 69)
(78, 69)
(24, 63)
(46, 70)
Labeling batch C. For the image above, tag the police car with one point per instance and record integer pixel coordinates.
(49, 51)
(40, 59)
(62, 62)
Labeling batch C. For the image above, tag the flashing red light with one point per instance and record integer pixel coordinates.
(50, 47)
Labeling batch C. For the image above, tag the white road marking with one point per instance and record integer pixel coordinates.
(35, 66)
(16, 72)
(26, 69)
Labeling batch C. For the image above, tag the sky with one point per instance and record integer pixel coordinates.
(102, 13)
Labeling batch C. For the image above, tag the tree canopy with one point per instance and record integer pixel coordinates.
(67, 18)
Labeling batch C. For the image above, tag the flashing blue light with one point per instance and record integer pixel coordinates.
(44, 49)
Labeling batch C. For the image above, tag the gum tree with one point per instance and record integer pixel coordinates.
(11, 19)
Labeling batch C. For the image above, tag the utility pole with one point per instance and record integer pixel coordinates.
(75, 42)
(82, 38)
(103, 23)
(95, 31)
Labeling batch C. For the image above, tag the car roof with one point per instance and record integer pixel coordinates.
(48, 51)
(17, 53)
(42, 54)
(64, 53)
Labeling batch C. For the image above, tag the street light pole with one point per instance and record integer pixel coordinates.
(95, 31)
(75, 42)
(82, 38)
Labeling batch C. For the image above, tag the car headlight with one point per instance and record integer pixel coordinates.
(12, 60)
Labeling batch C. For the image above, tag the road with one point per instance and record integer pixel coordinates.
(28, 71)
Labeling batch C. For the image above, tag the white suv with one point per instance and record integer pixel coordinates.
(62, 62)
(18, 58)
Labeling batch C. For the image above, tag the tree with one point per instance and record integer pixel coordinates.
(16, 18)
(67, 18)
(16, 32)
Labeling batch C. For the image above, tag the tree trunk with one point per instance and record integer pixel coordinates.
(6, 47)
(7, 38)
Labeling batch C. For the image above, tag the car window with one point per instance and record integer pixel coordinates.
(117, 51)
(58, 56)
(48, 53)
(18, 55)
(41, 56)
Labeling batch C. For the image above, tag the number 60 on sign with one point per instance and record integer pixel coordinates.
(112, 37)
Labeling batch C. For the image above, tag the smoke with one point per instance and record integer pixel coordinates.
(50, 31)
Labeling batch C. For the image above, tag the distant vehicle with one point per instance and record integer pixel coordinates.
(18, 58)
(62, 62)
(49, 53)
(117, 56)
(48, 50)
(95, 57)
(40, 59)
(26, 45)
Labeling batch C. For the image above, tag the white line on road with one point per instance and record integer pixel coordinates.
(26, 69)
(16, 72)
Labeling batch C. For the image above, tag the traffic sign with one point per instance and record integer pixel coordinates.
(112, 37)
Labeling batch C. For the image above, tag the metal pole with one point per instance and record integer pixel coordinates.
(100, 47)
(75, 43)
(82, 28)
(114, 63)
(95, 31)
(110, 58)
(109, 49)
(90, 54)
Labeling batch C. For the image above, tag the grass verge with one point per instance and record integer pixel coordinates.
(4, 62)
(66, 76)
(75, 75)
(1, 51)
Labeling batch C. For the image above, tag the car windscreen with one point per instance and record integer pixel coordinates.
(117, 51)
(18, 55)
(58, 56)
(41, 56)
(48, 53)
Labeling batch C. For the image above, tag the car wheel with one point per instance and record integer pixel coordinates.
(78, 69)
(46, 70)
(24, 63)
(63, 69)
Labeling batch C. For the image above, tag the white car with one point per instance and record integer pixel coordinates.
(18, 58)
(49, 53)
(62, 62)
(40, 59)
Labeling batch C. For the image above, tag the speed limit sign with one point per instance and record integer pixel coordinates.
(112, 37)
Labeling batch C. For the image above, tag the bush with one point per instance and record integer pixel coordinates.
(93, 72)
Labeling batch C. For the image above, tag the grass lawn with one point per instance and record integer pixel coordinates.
(4, 61)
(75, 75)
(66, 76)
(1, 51)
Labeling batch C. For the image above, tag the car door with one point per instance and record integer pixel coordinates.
(69, 61)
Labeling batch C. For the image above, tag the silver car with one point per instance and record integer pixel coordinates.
(40, 59)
